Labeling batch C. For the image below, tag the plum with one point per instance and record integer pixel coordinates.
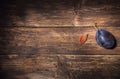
(105, 39)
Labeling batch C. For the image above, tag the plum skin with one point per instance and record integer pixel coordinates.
(105, 39)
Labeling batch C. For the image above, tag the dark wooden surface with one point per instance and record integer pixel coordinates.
(59, 12)
(38, 40)
(54, 41)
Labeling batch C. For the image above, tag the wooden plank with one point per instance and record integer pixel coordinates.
(54, 41)
(50, 66)
(59, 13)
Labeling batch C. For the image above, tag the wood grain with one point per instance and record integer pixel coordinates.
(57, 13)
(51, 66)
(39, 41)
(53, 40)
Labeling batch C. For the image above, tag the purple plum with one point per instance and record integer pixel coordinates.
(105, 39)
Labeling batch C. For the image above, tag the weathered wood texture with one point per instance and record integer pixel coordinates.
(50, 66)
(55, 53)
(53, 40)
(38, 41)
(59, 12)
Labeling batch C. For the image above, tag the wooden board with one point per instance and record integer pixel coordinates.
(51, 66)
(59, 13)
(54, 40)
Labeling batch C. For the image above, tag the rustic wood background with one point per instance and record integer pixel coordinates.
(38, 40)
